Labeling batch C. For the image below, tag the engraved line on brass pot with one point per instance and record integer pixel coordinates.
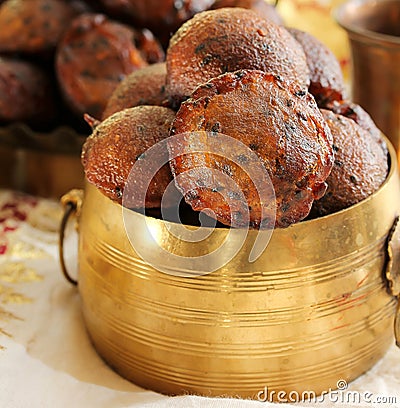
(248, 380)
(299, 343)
(239, 280)
(323, 308)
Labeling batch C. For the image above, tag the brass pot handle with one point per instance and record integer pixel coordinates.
(72, 203)
(393, 271)
(397, 325)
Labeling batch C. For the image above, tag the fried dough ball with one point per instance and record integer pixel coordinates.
(146, 86)
(226, 40)
(360, 166)
(82, 6)
(278, 121)
(261, 7)
(326, 77)
(33, 26)
(93, 57)
(118, 142)
(355, 112)
(149, 46)
(162, 17)
(26, 93)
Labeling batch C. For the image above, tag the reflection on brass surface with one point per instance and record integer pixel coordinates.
(311, 310)
(18, 272)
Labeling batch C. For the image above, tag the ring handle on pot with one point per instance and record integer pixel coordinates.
(72, 203)
(393, 271)
(397, 325)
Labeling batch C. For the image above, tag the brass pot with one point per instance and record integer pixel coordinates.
(318, 306)
(373, 31)
(42, 164)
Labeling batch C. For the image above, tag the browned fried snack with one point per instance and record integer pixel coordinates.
(93, 57)
(117, 143)
(26, 93)
(149, 46)
(162, 17)
(355, 112)
(82, 6)
(33, 26)
(277, 120)
(326, 77)
(226, 40)
(146, 86)
(261, 7)
(360, 166)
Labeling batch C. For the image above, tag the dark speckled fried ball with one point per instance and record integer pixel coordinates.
(95, 54)
(116, 144)
(278, 121)
(26, 93)
(33, 26)
(360, 167)
(326, 77)
(146, 86)
(355, 112)
(261, 7)
(225, 40)
(163, 17)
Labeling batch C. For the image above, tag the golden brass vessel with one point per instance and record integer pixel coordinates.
(318, 305)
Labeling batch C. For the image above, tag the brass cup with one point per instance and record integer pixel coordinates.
(373, 28)
(314, 308)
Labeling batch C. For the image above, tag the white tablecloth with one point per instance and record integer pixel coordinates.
(46, 358)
